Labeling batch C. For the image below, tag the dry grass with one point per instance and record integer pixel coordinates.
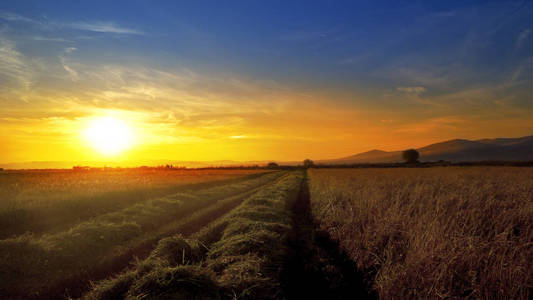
(47, 187)
(238, 256)
(45, 200)
(433, 233)
(34, 263)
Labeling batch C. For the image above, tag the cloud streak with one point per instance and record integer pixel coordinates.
(521, 38)
(103, 27)
(92, 26)
(13, 69)
(417, 90)
(9, 16)
(73, 74)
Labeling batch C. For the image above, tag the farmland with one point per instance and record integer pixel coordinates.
(115, 217)
(432, 233)
(45, 200)
(238, 256)
(443, 232)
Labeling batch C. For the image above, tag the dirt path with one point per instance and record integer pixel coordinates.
(315, 268)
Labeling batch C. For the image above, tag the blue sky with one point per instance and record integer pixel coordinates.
(423, 70)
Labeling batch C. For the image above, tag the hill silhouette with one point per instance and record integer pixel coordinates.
(500, 149)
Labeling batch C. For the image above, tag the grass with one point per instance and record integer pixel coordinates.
(31, 264)
(432, 233)
(415, 233)
(44, 201)
(238, 256)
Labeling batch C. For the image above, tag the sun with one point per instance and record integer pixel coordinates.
(109, 136)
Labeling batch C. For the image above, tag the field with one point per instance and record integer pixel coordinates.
(45, 200)
(443, 232)
(63, 228)
(434, 232)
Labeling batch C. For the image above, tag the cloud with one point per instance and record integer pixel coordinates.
(70, 49)
(93, 26)
(105, 27)
(426, 76)
(180, 103)
(73, 73)
(521, 38)
(13, 69)
(48, 39)
(432, 125)
(8, 16)
(305, 36)
(414, 93)
(416, 90)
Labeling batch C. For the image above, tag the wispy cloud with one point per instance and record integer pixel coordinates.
(238, 137)
(70, 49)
(93, 26)
(417, 90)
(73, 73)
(9, 16)
(48, 39)
(106, 27)
(415, 93)
(431, 125)
(12, 65)
(521, 38)
(305, 36)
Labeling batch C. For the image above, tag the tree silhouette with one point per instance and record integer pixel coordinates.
(272, 165)
(410, 156)
(308, 163)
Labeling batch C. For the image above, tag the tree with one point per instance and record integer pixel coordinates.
(410, 156)
(272, 165)
(308, 163)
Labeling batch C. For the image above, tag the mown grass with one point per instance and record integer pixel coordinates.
(433, 233)
(43, 201)
(239, 256)
(30, 264)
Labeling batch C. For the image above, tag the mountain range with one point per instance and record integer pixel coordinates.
(457, 150)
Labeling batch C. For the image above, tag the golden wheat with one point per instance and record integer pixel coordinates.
(433, 233)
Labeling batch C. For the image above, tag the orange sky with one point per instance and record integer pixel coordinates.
(276, 83)
(169, 122)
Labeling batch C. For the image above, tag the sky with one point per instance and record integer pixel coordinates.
(261, 80)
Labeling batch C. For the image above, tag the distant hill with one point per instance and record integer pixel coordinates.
(502, 149)
(458, 150)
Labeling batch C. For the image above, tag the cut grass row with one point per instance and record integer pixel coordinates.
(140, 247)
(32, 264)
(41, 202)
(239, 256)
(432, 233)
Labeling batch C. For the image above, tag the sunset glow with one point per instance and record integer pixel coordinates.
(149, 149)
(109, 136)
(279, 82)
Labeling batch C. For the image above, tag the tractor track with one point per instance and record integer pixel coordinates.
(316, 267)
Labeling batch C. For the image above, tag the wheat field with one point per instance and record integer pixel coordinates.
(432, 233)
